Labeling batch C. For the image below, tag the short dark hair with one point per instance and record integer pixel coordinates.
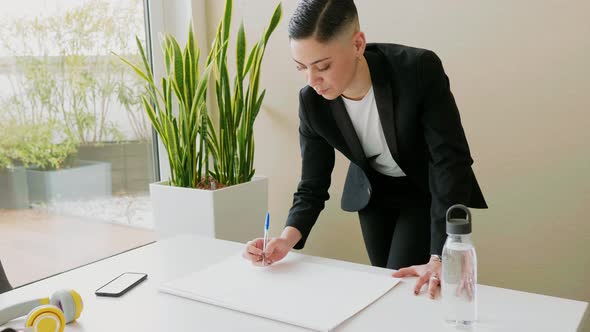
(322, 19)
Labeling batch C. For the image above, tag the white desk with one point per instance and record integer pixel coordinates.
(145, 309)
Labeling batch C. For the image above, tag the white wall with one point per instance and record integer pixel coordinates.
(520, 74)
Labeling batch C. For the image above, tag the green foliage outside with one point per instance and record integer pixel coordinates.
(34, 145)
(65, 79)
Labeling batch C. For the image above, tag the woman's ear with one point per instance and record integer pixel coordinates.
(359, 43)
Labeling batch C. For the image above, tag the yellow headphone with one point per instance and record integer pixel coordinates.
(46, 314)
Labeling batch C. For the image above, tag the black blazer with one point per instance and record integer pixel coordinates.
(422, 128)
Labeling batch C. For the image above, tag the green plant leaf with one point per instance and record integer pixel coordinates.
(274, 21)
(240, 53)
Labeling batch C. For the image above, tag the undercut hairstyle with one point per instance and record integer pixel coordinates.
(322, 19)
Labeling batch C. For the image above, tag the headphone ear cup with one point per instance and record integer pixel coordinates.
(46, 318)
(69, 301)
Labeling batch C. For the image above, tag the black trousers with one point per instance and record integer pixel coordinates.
(396, 223)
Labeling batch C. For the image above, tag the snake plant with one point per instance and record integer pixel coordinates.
(177, 107)
(232, 143)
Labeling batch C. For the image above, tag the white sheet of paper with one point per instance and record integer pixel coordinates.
(292, 291)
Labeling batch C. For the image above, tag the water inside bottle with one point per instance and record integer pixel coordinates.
(459, 281)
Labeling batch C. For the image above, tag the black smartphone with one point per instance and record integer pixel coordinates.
(121, 284)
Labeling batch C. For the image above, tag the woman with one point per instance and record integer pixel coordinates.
(388, 108)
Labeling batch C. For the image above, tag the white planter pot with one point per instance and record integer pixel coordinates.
(234, 213)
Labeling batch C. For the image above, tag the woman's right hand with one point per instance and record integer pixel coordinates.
(276, 249)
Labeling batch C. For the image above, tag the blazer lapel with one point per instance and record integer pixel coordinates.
(385, 99)
(347, 129)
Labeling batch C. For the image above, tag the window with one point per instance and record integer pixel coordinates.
(76, 150)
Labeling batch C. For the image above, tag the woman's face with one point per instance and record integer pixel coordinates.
(329, 67)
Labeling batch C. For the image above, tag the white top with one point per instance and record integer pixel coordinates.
(366, 123)
(146, 309)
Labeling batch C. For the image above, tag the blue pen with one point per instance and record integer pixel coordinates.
(266, 225)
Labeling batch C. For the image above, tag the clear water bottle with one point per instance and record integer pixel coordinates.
(459, 271)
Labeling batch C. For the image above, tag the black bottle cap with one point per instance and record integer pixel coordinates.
(457, 226)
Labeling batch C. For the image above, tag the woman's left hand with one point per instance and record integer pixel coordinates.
(428, 273)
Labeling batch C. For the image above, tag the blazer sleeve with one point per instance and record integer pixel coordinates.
(317, 165)
(449, 171)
